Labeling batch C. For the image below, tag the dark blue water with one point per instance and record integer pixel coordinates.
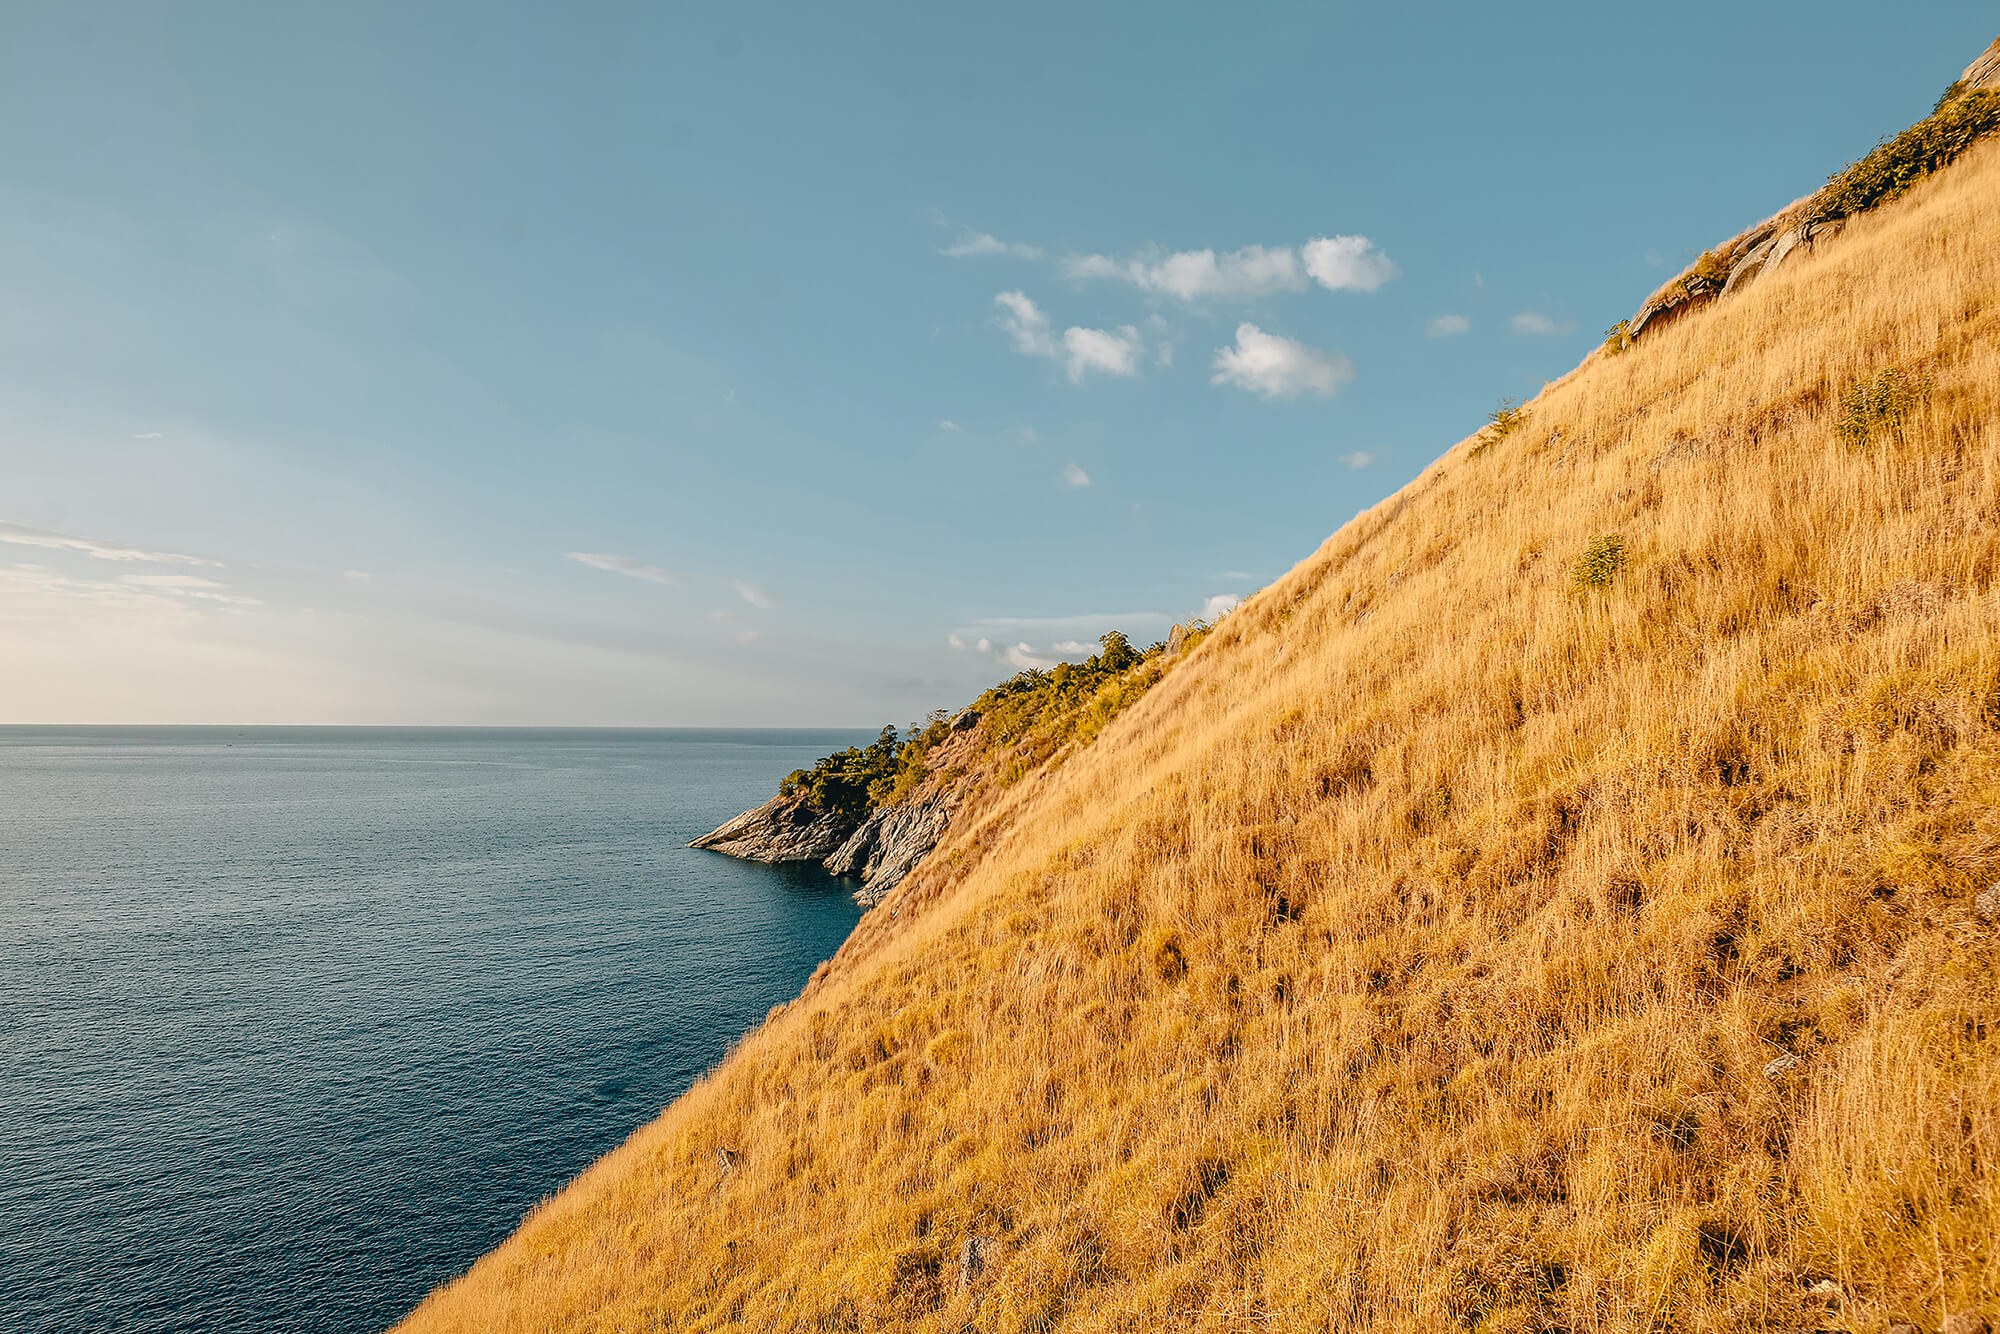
(296, 1023)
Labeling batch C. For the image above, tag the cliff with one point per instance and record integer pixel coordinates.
(1565, 901)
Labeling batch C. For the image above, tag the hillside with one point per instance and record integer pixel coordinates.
(1563, 901)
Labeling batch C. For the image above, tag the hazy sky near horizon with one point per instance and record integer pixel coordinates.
(801, 364)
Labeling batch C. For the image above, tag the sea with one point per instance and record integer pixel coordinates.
(296, 1023)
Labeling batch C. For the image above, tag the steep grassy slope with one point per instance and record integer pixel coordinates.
(1422, 952)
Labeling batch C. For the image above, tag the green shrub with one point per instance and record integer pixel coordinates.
(1899, 163)
(1600, 562)
(1705, 276)
(1618, 338)
(1506, 419)
(1879, 406)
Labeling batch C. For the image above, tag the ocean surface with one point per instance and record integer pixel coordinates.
(296, 1023)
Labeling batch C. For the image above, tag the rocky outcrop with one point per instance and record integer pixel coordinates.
(889, 846)
(783, 829)
(878, 851)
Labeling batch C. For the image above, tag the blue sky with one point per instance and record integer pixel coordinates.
(758, 364)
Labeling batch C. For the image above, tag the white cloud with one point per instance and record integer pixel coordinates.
(1192, 274)
(1358, 460)
(949, 425)
(1166, 354)
(1277, 367)
(628, 566)
(1025, 324)
(1115, 352)
(1534, 322)
(90, 546)
(754, 594)
(1021, 657)
(1348, 263)
(148, 435)
(985, 243)
(1219, 606)
(1074, 646)
(1444, 326)
(1075, 476)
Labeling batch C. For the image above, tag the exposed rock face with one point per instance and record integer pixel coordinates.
(878, 851)
(783, 829)
(889, 846)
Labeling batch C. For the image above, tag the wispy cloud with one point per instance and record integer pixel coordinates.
(1444, 326)
(1113, 351)
(1083, 351)
(1075, 477)
(1025, 324)
(1278, 367)
(1085, 623)
(974, 244)
(754, 594)
(1337, 263)
(1358, 460)
(1348, 263)
(1194, 274)
(949, 426)
(1540, 325)
(34, 537)
(148, 435)
(629, 566)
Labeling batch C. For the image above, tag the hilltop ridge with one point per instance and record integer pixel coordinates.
(1569, 899)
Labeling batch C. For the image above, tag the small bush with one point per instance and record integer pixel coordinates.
(1506, 419)
(1706, 276)
(1618, 338)
(1899, 163)
(1600, 562)
(1879, 406)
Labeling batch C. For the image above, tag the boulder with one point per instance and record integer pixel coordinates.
(965, 721)
(1782, 1065)
(975, 1258)
(783, 829)
(1747, 268)
(1176, 639)
(1987, 905)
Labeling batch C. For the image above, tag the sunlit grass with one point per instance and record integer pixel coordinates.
(1412, 956)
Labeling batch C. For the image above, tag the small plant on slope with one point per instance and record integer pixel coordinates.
(1879, 406)
(1600, 562)
(1618, 338)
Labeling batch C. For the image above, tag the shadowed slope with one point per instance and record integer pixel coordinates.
(1425, 950)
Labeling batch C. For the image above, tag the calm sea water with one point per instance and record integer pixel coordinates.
(295, 1023)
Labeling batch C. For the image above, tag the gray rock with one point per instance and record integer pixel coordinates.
(783, 829)
(1176, 639)
(889, 846)
(1987, 905)
(1747, 268)
(966, 720)
(1783, 1065)
(975, 1258)
(1782, 245)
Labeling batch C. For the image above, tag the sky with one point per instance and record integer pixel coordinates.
(753, 364)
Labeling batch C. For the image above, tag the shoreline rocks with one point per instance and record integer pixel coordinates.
(878, 850)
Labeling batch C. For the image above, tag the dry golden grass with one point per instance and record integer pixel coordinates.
(1412, 956)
